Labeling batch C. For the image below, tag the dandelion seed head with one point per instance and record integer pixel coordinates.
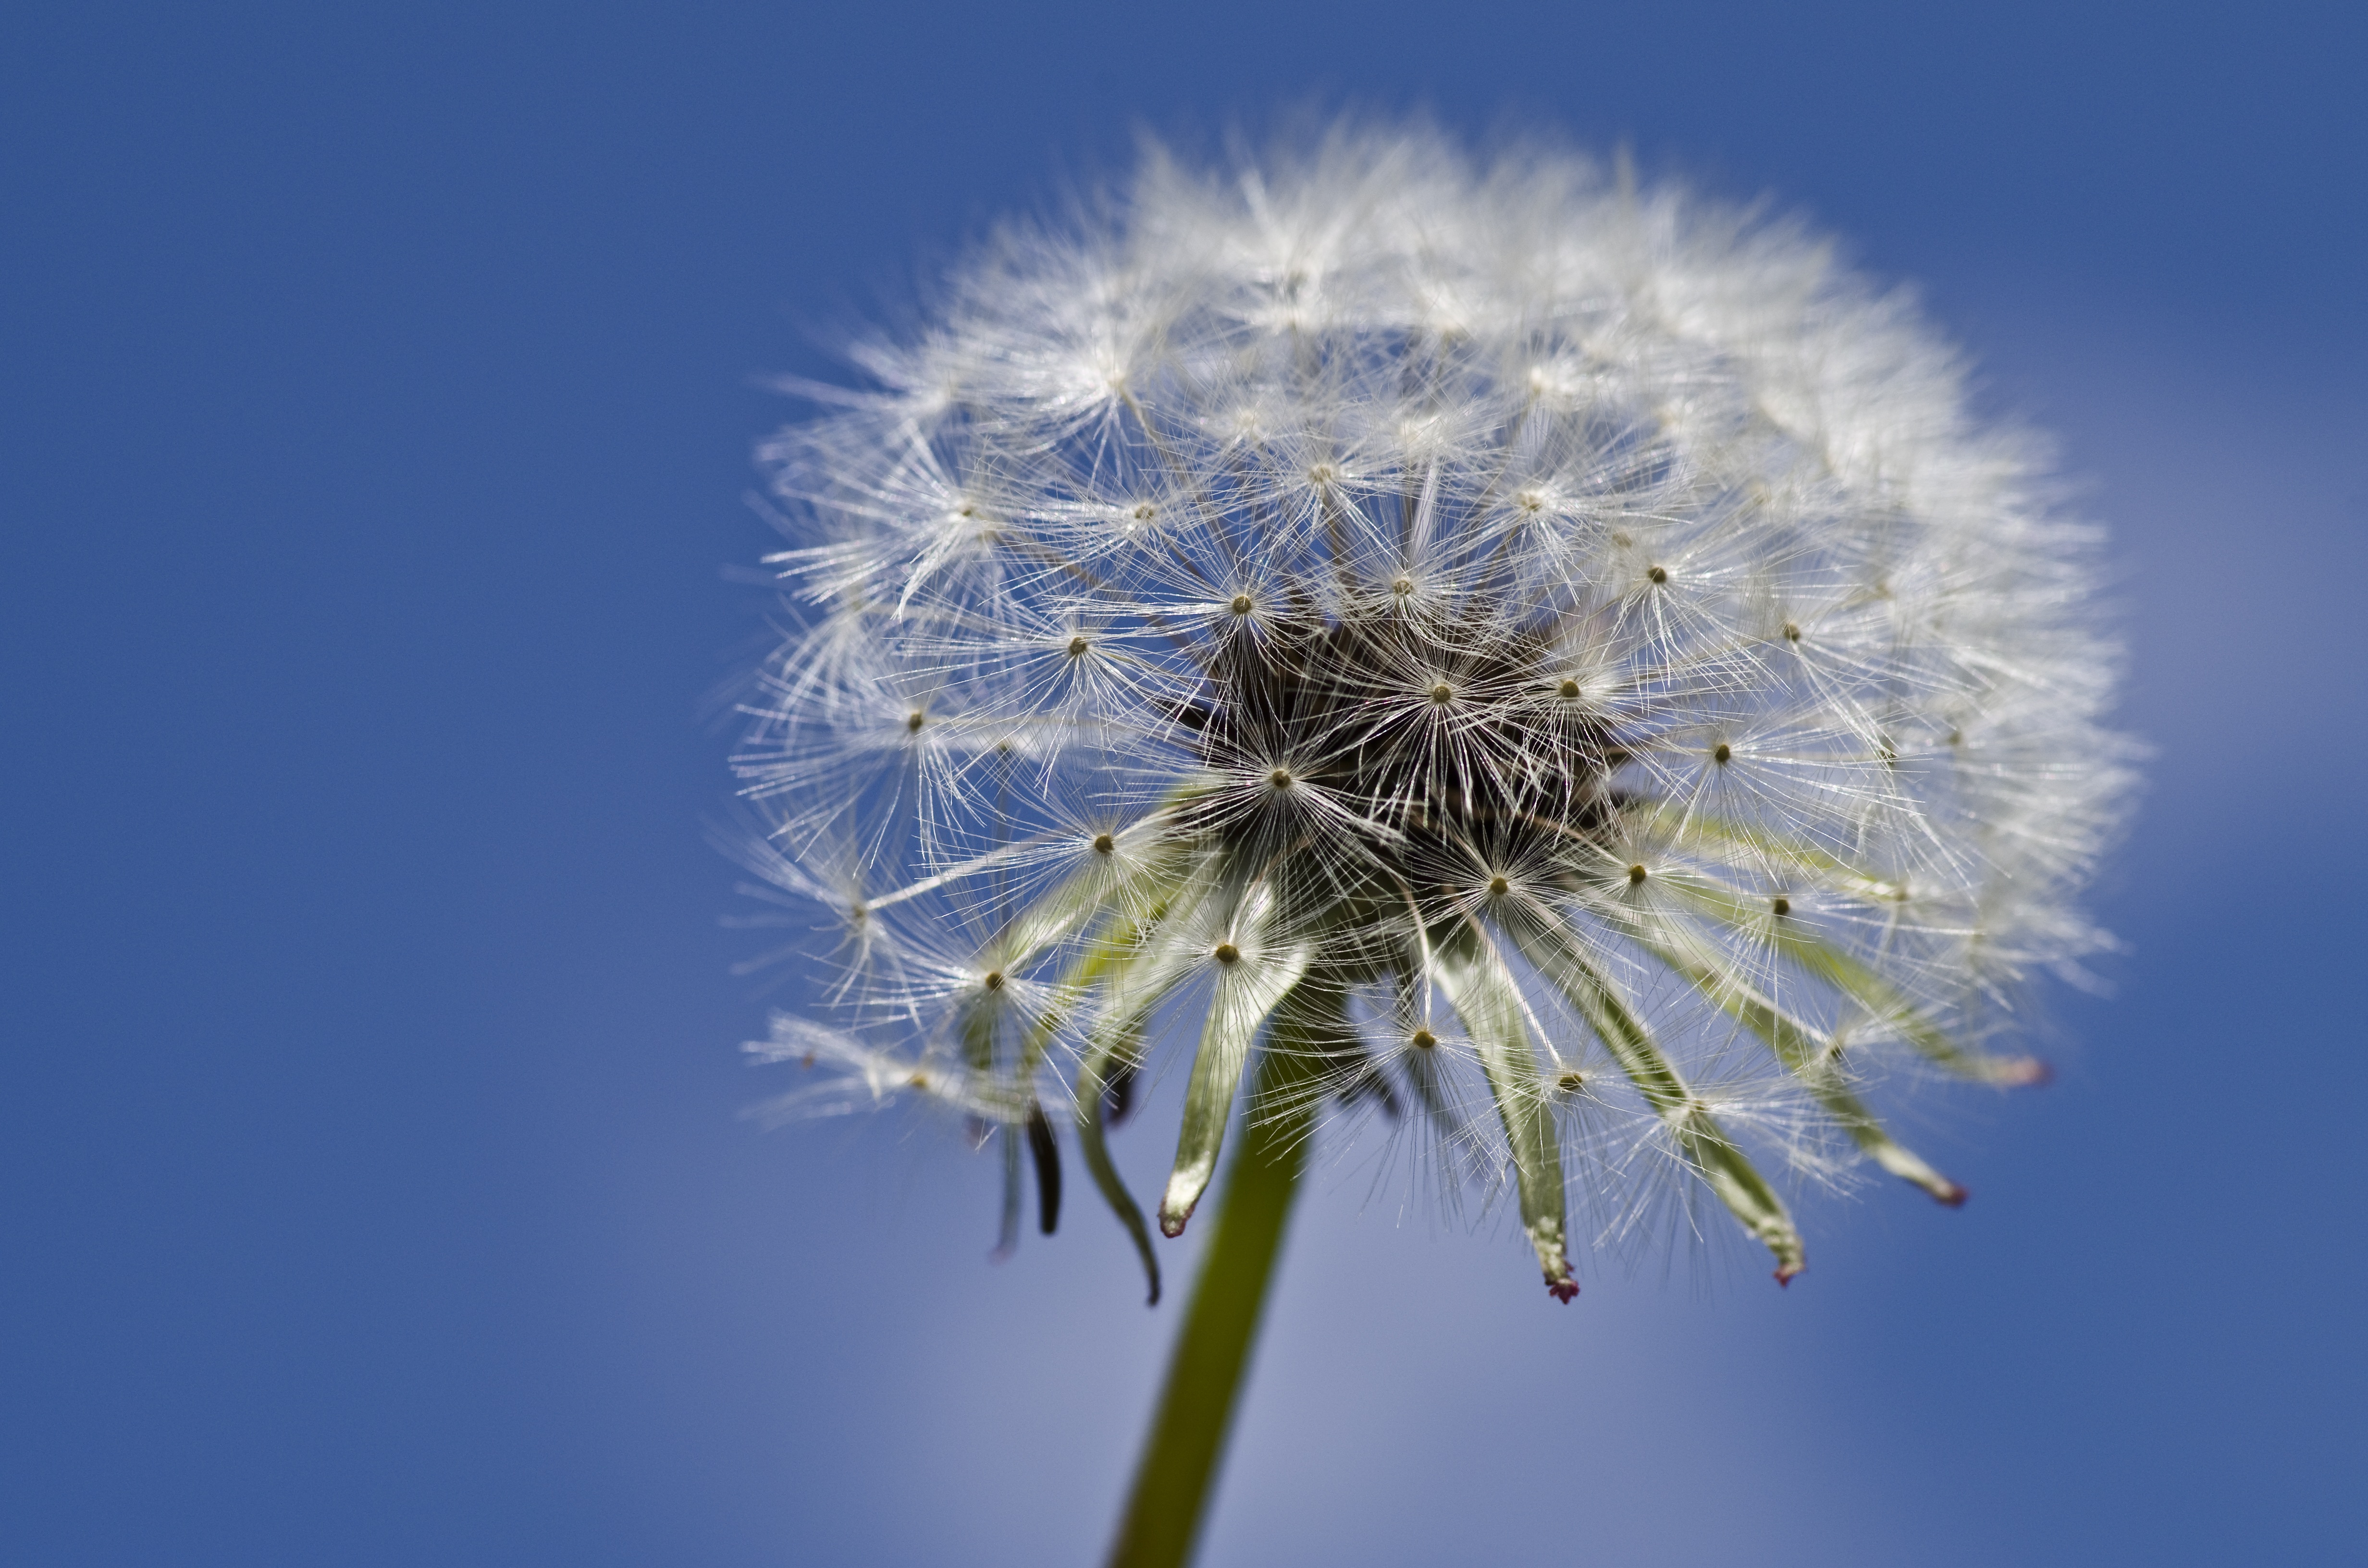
(1576, 632)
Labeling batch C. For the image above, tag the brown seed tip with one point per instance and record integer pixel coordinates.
(1077, 645)
(1722, 753)
(1659, 573)
(1498, 887)
(1569, 688)
(1952, 1196)
(1424, 1040)
(1573, 1081)
(1564, 1289)
(1241, 604)
(994, 980)
(1227, 953)
(1780, 904)
(1792, 632)
(1784, 1274)
(1280, 778)
(1635, 875)
(914, 721)
(1441, 692)
(1104, 844)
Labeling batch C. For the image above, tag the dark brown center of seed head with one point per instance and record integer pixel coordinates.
(1635, 875)
(1780, 904)
(1424, 1040)
(994, 980)
(1104, 844)
(1571, 1080)
(1241, 604)
(1076, 646)
(1792, 632)
(1659, 573)
(1722, 752)
(1498, 887)
(1227, 953)
(1567, 689)
(914, 721)
(1322, 692)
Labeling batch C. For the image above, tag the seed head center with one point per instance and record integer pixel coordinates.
(1423, 803)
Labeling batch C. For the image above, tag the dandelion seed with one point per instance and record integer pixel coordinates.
(1208, 441)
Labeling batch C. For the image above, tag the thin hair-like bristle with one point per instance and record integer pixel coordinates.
(1579, 625)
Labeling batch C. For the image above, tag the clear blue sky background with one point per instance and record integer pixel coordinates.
(377, 406)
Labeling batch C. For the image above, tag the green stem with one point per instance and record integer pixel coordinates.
(1213, 1348)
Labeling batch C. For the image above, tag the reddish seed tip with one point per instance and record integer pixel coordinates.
(2025, 1073)
(1172, 1225)
(1563, 1291)
(1953, 1199)
(1784, 1275)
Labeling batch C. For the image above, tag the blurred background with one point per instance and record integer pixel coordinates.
(378, 386)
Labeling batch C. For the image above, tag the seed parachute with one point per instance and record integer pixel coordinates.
(1550, 661)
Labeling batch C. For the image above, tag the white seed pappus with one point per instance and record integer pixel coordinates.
(1567, 643)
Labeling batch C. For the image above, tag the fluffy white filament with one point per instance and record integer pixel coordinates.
(1719, 747)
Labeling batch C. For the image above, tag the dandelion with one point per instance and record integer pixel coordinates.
(1550, 663)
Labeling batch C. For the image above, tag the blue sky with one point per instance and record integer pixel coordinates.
(379, 388)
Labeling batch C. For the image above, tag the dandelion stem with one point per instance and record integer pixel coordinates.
(1213, 1348)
